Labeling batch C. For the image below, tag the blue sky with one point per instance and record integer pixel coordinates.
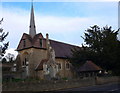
(68, 9)
(64, 21)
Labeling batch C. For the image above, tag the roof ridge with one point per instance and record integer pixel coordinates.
(54, 40)
(64, 43)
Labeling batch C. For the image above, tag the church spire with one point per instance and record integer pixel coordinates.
(32, 29)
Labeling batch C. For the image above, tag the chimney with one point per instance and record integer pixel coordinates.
(47, 45)
(47, 36)
(47, 41)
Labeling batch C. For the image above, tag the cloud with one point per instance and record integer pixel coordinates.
(60, 24)
(65, 29)
(11, 51)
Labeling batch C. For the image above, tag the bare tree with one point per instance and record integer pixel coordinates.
(10, 57)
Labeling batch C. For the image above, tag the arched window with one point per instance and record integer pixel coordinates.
(67, 65)
(59, 66)
(26, 62)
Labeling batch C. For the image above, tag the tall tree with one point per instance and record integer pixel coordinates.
(104, 48)
(3, 45)
(104, 42)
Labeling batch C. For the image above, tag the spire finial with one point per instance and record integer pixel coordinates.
(32, 30)
(32, 2)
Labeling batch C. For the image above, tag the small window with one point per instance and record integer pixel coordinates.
(59, 66)
(67, 65)
(23, 63)
(24, 43)
(40, 43)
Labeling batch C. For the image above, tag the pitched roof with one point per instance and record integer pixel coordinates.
(29, 42)
(62, 50)
(40, 65)
(89, 66)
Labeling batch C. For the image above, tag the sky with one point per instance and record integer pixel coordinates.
(63, 21)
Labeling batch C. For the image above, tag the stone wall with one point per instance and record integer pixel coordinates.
(103, 80)
(34, 57)
(64, 72)
(43, 85)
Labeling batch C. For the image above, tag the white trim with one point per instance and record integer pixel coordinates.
(27, 70)
(66, 66)
(23, 66)
(45, 69)
(58, 65)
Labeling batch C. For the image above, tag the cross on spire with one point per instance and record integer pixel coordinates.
(32, 29)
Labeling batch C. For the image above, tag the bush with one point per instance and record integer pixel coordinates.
(17, 80)
(65, 78)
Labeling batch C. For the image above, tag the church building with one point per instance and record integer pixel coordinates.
(41, 57)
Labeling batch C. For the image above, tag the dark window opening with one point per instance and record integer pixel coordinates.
(41, 43)
(59, 66)
(23, 63)
(67, 65)
(24, 43)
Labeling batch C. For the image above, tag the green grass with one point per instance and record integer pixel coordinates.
(65, 78)
(17, 80)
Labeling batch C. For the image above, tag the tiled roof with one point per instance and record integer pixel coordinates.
(89, 66)
(30, 42)
(62, 50)
(40, 65)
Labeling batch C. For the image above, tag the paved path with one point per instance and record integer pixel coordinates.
(106, 88)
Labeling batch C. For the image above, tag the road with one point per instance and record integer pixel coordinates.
(106, 88)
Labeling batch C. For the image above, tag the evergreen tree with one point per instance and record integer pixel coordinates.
(103, 48)
(3, 45)
(4, 60)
